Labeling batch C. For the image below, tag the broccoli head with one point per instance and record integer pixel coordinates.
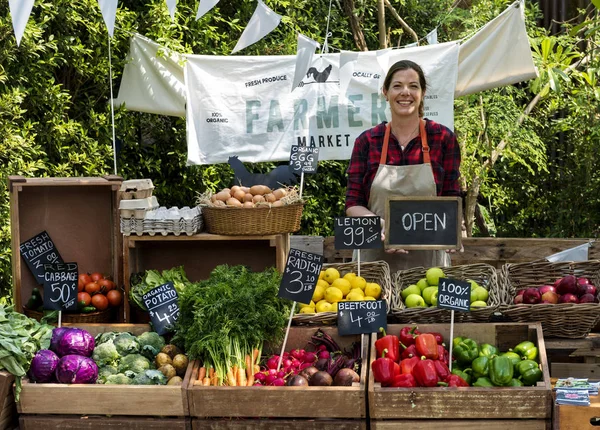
(104, 372)
(118, 379)
(150, 344)
(126, 344)
(105, 354)
(150, 377)
(135, 362)
(105, 337)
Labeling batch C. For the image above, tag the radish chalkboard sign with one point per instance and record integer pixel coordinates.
(37, 251)
(304, 159)
(423, 222)
(162, 304)
(361, 317)
(60, 286)
(300, 275)
(361, 232)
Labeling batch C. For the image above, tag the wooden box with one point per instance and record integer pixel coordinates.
(467, 403)
(80, 215)
(200, 254)
(8, 409)
(570, 417)
(95, 422)
(99, 399)
(277, 424)
(284, 402)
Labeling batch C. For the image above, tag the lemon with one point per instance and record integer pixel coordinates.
(304, 305)
(334, 307)
(323, 283)
(307, 310)
(353, 296)
(341, 284)
(349, 276)
(332, 295)
(369, 298)
(323, 306)
(321, 275)
(358, 282)
(331, 275)
(318, 294)
(372, 289)
(357, 291)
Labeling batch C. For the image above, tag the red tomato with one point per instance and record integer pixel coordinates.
(96, 276)
(92, 288)
(83, 279)
(114, 298)
(106, 285)
(85, 298)
(100, 302)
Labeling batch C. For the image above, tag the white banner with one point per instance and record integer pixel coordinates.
(109, 13)
(19, 12)
(205, 6)
(243, 105)
(304, 58)
(262, 22)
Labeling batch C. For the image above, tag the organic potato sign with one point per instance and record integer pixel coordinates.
(60, 286)
(300, 275)
(163, 307)
(37, 251)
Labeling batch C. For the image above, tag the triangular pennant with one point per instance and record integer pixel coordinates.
(205, 6)
(20, 11)
(578, 253)
(304, 56)
(432, 37)
(172, 4)
(263, 21)
(109, 13)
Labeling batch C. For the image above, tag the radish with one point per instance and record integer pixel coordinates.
(279, 382)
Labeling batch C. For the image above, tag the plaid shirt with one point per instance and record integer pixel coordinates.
(444, 153)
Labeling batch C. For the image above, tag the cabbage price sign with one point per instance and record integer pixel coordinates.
(163, 307)
(60, 286)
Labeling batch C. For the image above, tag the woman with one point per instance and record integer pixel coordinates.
(391, 159)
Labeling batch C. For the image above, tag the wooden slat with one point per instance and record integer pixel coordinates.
(277, 424)
(6, 381)
(312, 244)
(49, 422)
(461, 424)
(575, 370)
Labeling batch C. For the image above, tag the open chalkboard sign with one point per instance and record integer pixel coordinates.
(362, 232)
(361, 317)
(300, 275)
(60, 286)
(423, 222)
(37, 251)
(304, 159)
(162, 304)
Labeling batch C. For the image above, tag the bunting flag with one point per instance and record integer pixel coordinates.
(578, 253)
(263, 21)
(20, 11)
(172, 4)
(411, 45)
(432, 37)
(109, 13)
(304, 58)
(205, 6)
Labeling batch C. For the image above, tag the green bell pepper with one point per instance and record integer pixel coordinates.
(483, 382)
(466, 351)
(514, 357)
(530, 372)
(515, 383)
(487, 350)
(501, 371)
(481, 367)
(527, 350)
(456, 341)
(465, 374)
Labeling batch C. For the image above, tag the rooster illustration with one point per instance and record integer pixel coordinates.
(319, 76)
(280, 175)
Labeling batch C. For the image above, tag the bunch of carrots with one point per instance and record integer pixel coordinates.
(235, 370)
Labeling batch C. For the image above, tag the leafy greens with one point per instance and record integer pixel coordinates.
(142, 283)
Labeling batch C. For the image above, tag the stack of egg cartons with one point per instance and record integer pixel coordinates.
(173, 220)
(136, 200)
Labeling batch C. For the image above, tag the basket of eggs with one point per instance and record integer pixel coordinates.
(250, 211)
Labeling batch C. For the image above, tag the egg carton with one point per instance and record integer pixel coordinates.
(137, 208)
(165, 221)
(136, 189)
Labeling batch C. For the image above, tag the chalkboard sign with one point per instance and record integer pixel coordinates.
(361, 232)
(60, 286)
(304, 159)
(423, 222)
(300, 275)
(37, 251)
(163, 307)
(361, 317)
(454, 295)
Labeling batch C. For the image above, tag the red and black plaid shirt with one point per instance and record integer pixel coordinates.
(444, 153)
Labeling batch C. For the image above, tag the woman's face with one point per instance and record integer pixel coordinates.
(404, 93)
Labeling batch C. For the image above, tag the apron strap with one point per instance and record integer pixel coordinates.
(424, 145)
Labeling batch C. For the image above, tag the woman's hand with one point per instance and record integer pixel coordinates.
(390, 250)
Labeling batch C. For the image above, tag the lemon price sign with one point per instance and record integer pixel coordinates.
(300, 275)
(60, 286)
(304, 159)
(357, 317)
(362, 232)
(454, 295)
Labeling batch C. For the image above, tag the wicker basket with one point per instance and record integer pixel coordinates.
(572, 320)
(253, 221)
(484, 274)
(105, 316)
(374, 271)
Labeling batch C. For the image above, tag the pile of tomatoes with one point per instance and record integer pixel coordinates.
(97, 292)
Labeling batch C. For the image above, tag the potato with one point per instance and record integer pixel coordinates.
(180, 363)
(162, 358)
(238, 194)
(270, 198)
(280, 193)
(259, 190)
(171, 350)
(248, 204)
(175, 380)
(248, 197)
(257, 199)
(168, 370)
(233, 202)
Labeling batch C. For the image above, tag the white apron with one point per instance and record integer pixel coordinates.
(412, 180)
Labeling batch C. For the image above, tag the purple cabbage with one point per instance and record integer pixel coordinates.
(57, 334)
(76, 369)
(43, 365)
(75, 341)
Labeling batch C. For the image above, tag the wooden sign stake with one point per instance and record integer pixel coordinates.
(59, 318)
(358, 261)
(451, 338)
(301, 183)
(287, 332)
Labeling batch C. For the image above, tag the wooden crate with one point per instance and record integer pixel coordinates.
(569, 417)
(8, 411)
(577, 358)
(462, 424)
(99, 399)
(472, 403)
(200, 254)
(95, 422)
(285, 402)
(277, 424)
(80, 215)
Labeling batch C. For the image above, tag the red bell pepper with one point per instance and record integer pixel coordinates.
(383, 369)
(389, 342)
(438, 337)
(456, 381)
(408, 334)
(397, 369)
(425, 373)
(443, 354)
(410, 351)
(404, 381)
(407, 365)
(427, 346)
(442, 370)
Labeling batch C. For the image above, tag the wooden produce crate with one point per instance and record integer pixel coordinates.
(434, 407)
(277, 424)
(95, 422)
(80, 215)
(99, 399)
(570, 417)
(199, 255)
(307, 403)
(8, 409)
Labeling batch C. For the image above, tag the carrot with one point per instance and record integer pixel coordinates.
(249, 366)
(255, 355)
(211, 372)
(197, 382)
(206, 381)
(240, 378)
(202, 373)
(231, 378)
(256, 369)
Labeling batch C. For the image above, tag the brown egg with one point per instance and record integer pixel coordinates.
(277, 204)
(248, 197)
(280, 193)
(248, 204)
(233, 190)
(213, 198)
(270, 198)
(239, 194)
(260, 190)
(220, 204)
(245, 189)
(232, 202)
(228, 190)
(223, 196)
(258, 198)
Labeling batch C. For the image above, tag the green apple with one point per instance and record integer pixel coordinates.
(482, 294)
(414, 301)
(473, 296)
(478, 304)
(434, 299)
(411, 289)
(473, 284)
(427, 292)
(433, 276)
(423, 283)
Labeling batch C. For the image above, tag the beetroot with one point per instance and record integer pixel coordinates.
(345, 378)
